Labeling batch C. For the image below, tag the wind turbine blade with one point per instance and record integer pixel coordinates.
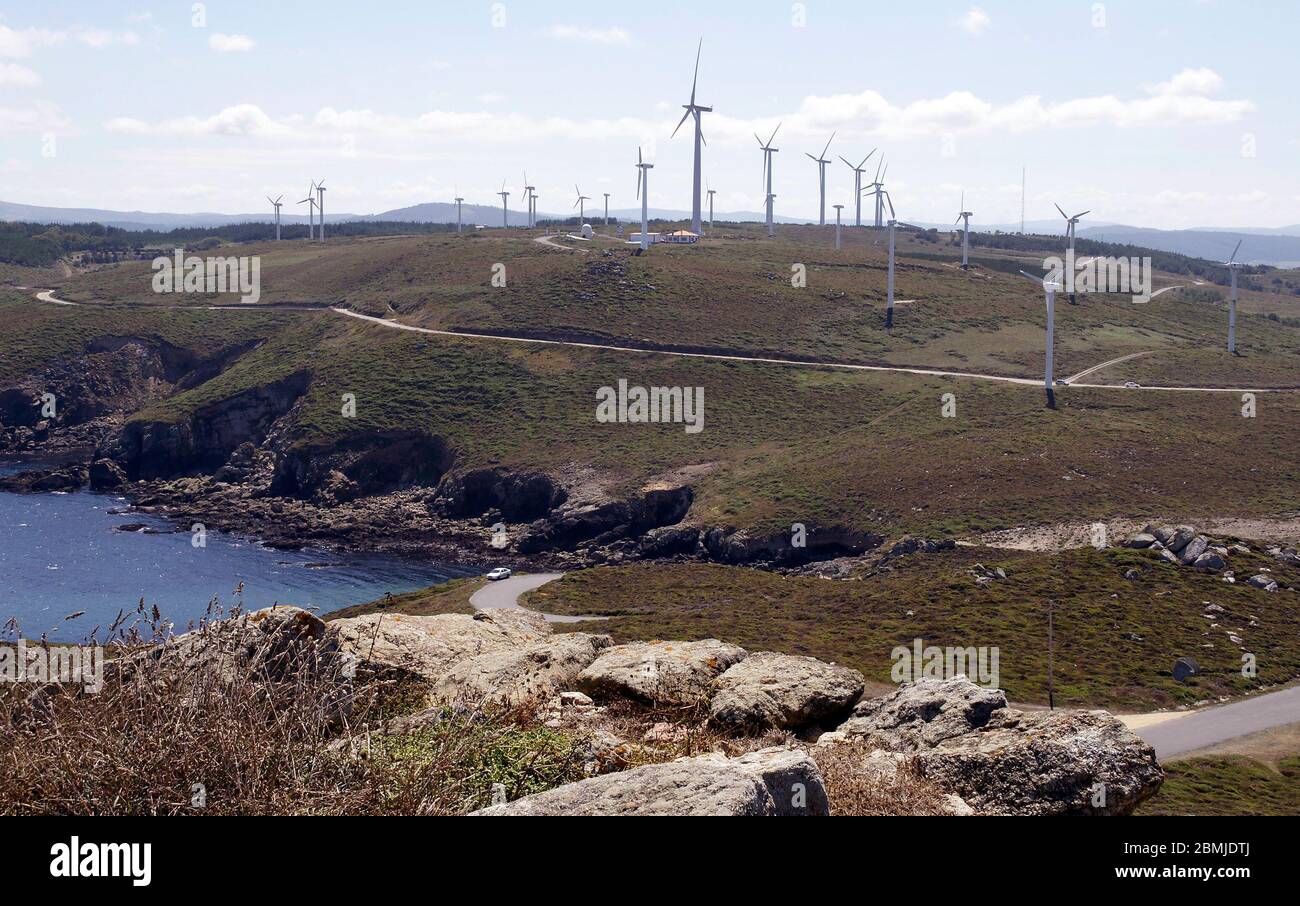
(695, 81)
(880, 163)
(867, 158)
(774, 132)
(828, 144)
(639, 173)
(1077, 216)
(809, 156)
(679, 124)
(846, 163)
(1063, 214)
(638, 155)
(886, 173)
(963, 201)
(1234, 251)
(1039, 280)
(892, 216)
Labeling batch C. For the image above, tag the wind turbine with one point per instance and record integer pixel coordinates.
(505, 210)
(320, 193)
(694, 109)
(1070, 224)
(459, 202)
(643, 192)
(276, 204)
(965, 215)
(877, 188)
(838, 243)
(310, 201)
(1233, 266)
(1051, 288)
(821, 162)
(529, 190)
(606, 194)
(893, 222)
(768, 151)
(581, 206)
(712, 192)
(857, 182)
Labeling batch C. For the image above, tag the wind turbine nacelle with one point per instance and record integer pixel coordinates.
(587, 231)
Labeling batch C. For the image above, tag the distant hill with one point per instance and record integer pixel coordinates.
(1271, 247)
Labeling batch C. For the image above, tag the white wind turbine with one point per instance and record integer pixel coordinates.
(1051, 289)
(505, 209)
(529, 194)
(1070, 224)
(606, 194)
(320, 207)
(877, 188)
(1233, 266)
(821, 162)
(581, 205)
(965, 215)
(889, 305)
(768, 151)
(857, 183)
(459, 202)
(310, 201)
(711, 193)
(643, 192)
(275, 203)
(839, 244)
(694, 110)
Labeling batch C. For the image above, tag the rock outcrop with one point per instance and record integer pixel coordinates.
(769, 782)
(534, 673)
(672, 673)
(1009, 762)
(784, 692)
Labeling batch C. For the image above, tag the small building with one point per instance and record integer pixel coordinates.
(682, 237)
(653, 237)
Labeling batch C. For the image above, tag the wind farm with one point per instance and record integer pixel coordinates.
(655, 511)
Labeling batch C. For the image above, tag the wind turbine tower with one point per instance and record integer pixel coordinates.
(1233, 266)
(889, 309)
(580, 204)
(877, 188)
(1070, 224)
(643, 192)
(768, 151)
(459, 202)
(857, 183)
(606, 194)
(821, 162)
(528, 196)
(505, 210)
(694, 110)
(320, 207)
(965, 216)
(712, 192)
(839, 244)
(276, 204)
(310, 202)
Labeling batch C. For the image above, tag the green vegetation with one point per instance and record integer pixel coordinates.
(449, 597)
(1233, 785)
(1116, 638)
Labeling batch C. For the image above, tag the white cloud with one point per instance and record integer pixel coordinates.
(975, 21)
(13, 74)
(223, 43)
(102, 37)
(41, 116)
(612, 35)
(14, 43)
(1191, 82)
(239, 120)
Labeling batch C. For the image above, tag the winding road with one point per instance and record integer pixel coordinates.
(1200, 729)
(504, 595)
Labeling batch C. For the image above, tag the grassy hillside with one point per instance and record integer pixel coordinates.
(1116, 638)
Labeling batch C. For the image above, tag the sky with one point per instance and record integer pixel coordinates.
(1158, 113)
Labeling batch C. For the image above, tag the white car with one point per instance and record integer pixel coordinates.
(500, 572)
(1132, 385)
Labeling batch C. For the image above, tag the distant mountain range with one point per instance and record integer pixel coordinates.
(1279, 246)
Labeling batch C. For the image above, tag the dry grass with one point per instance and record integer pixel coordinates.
(855, 787)
(209, 724)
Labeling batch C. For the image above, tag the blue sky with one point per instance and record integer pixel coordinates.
(1165, 113)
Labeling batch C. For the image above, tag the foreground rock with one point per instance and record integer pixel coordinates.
(517, 676)
(783, 691)
(1008, 762)
(428, 647)
(776, 782)
(671, 673)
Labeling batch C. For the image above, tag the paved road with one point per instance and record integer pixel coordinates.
(762, 360)
(504, 595)
(1214, 725)
(1095, 368)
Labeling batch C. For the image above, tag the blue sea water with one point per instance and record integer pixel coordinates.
(59, 554)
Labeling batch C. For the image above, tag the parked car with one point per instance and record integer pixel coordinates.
(500, 572)
(1132, 385)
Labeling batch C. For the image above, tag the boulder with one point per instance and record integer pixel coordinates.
(1181, 537)
(276, 644)
(1264, 582)
(518, 676)
(674, 673)
(776, 782)
(1162, 533)
(429, 646)
(1047, 763)
(1141, 541)
(1210, 562)
(1004, 761)
(783, 691)
(1193, 549)
(924, 713)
